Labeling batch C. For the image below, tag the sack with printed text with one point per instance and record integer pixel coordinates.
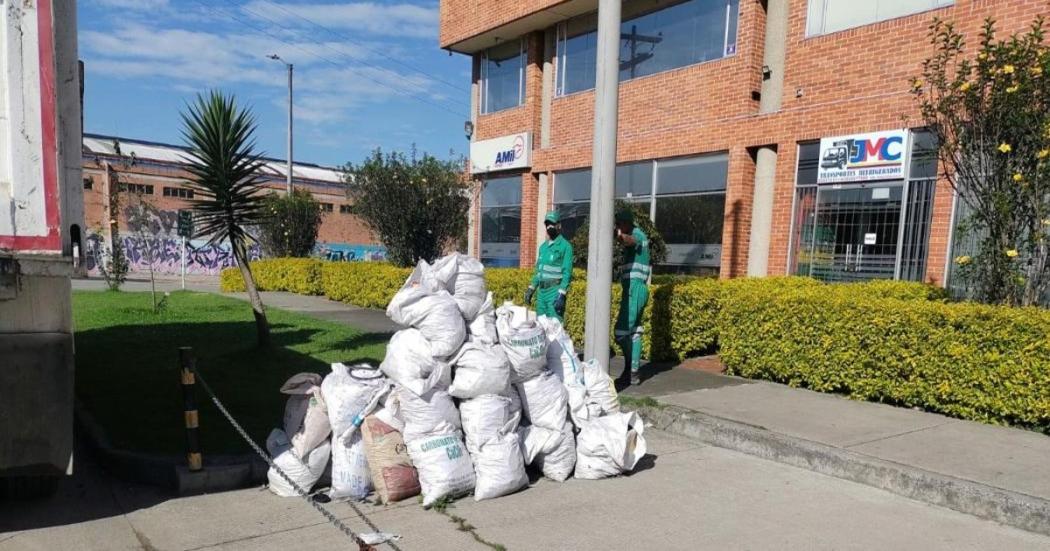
(351, 477)
(444, 466)
(523, 340)
(432, 413)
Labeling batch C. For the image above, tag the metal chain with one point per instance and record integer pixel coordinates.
(362, 545)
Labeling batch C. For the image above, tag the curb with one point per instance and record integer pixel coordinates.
(221, 473)
(1014, 509)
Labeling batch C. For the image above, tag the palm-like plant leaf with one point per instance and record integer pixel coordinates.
(225, 168)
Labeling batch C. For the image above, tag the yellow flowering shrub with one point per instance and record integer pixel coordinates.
(978, 362)
(295, 275)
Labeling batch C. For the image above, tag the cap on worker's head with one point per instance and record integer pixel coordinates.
(552, 217)
(625, 215)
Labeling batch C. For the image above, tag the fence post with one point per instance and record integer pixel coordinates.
(189, 385)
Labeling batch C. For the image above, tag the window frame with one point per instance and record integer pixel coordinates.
(561, 37)
(654, 195)
(937, 4)
(483, 105)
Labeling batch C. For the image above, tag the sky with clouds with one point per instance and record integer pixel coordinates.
(367, 74)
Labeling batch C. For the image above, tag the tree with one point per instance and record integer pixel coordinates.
(990, 112)
(657, 247)
(291, 224)
(143, 220)
(417, 207)
(225, 178)
(113, 264)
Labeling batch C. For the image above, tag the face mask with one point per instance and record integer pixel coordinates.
(552, 232)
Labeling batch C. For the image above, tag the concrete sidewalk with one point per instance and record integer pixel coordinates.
(993, 472)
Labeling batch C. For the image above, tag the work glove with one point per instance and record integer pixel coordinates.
(559, 304)
(528, 294)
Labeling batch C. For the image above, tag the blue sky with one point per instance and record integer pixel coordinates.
(367, 74)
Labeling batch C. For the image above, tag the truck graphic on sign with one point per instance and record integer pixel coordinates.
(839, 154)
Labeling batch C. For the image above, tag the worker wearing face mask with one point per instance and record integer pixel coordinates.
(553, 271)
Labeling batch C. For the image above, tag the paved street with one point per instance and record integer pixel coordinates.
(686, 496)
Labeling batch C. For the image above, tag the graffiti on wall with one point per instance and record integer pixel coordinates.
(152, 238)
(166, 254)
(343, 252)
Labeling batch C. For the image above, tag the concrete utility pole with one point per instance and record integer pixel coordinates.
(603, 174)
(290, 68)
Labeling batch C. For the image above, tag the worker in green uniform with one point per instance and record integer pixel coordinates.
(553, 271)
(634, 280)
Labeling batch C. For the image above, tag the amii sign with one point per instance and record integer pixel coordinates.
(863, 157)
(503, 153)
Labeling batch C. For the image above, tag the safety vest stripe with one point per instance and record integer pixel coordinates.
(551, 269)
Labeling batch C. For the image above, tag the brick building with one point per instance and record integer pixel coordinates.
(155, 173)
(765, 137)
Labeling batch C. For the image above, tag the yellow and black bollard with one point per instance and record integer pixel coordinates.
(192, 420)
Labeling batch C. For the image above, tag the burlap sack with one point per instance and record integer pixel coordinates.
(393, 475)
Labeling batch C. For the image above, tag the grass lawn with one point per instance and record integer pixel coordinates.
(127, 365)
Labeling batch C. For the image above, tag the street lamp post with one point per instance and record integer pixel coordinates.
(276, 57)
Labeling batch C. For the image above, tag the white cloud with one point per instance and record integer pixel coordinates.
(401, 20)
(194, 60)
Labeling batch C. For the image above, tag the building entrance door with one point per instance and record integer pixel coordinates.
(856, 231)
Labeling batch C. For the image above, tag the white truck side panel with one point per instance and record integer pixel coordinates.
(22, 195)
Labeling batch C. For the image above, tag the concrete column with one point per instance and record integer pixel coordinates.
(603, 173)
(773, 58)
(473, 214)
(547, 91)
(762, 212)
(542, 200)
(773, 55)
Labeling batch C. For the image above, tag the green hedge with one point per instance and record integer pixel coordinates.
(364, 284)
(680, 319)
(976, 362)
(295, 275)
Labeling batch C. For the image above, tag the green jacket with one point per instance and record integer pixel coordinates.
(554, 263)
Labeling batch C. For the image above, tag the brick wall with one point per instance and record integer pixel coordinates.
(846, 82)
(336, 227)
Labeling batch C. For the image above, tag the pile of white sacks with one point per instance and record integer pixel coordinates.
(473, 393)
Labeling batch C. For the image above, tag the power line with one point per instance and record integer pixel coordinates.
(398, 91)
(457, 87)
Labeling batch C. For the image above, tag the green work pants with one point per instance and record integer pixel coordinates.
(545, 298)
(633, 298)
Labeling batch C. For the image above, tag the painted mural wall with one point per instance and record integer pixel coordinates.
(151, 237)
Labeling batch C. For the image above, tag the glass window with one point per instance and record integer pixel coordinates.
(694, 219)
(828, 16)
(701, 174)
(634, 180)
(503, 76)
(574, 185)
(655, 36)
(501, 221)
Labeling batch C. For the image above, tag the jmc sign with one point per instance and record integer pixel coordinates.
(503, 153)
(861, 157)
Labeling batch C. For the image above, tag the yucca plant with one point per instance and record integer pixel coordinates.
(226, 183)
